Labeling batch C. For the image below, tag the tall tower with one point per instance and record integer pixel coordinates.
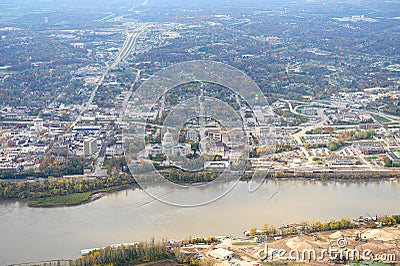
(162, 107)
(89, 146)
(38, 124)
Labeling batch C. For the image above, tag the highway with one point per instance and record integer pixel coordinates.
(127, 97)
(302, 132)
(126, 49)
(129, 44)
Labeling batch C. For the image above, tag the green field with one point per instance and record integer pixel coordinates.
(369, 263)
(70, 199)
(65, 200)
(161, 263)
(241, 243)
(381, 119)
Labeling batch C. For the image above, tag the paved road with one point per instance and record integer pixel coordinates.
(294, 110)
(127, 97)
(302, 132)
(126, 49)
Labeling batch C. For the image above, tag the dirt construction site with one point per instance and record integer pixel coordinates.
(380, 245)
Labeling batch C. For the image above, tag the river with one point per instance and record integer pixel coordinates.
(35, 234)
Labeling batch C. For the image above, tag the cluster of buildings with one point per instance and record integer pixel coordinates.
(365, 97)
(345, 115)
(64, 130)
(356, 18)
(24, 143)
(370, 147)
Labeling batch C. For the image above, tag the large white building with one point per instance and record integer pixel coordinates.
(192, 135)
(89, 146)
(171, 148)
(168, 147)
(38, 124)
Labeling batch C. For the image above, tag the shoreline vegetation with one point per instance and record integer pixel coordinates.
(143, 253)
(183, 252)
(70, 191)
(62, 192)
(75, 199)
(309, 227)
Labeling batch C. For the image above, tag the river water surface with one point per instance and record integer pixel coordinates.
(35, 234)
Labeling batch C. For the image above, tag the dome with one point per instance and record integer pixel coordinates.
(168, 139)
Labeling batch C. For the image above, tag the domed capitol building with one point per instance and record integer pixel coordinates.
(168, 147)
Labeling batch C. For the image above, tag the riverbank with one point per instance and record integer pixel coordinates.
(362, 246)
(67, 191)
(362, 241)
(80, 198)
(75, 199)
(329, 175)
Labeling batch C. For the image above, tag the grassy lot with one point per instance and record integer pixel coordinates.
(289, 263)
(161, 263)
(65, 200)
(381, 119)
(369, 263)
(242, 243)
(71, 199)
